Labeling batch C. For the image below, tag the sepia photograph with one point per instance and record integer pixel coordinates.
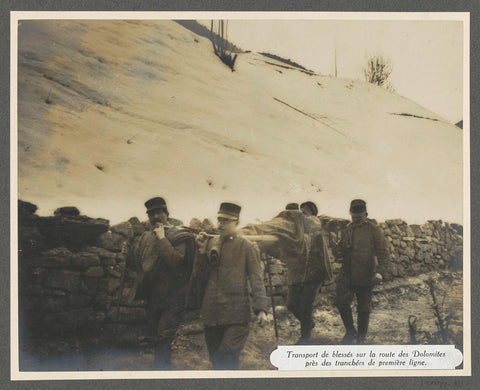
(198, 193)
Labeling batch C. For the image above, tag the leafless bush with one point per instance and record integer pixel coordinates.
(378, 71)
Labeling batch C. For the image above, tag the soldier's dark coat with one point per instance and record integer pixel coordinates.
(226, 300)
(359, 245)
(163, 268)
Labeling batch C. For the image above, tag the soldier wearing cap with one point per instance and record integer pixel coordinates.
(233, 263)
(363, 252)
(301, 247)
(163, 256)
(308, 274)
(309, 208)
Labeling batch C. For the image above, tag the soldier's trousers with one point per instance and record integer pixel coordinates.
(346, 292)
(224, 343)
(301, 297)
(163, 321)
(345, 295)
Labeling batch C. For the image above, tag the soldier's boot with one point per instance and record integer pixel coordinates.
(347, 318)
(362, 325)
(305, 331)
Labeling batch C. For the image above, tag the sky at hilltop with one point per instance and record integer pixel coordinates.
(427, 56)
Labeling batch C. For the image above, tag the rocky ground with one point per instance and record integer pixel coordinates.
(393, 303)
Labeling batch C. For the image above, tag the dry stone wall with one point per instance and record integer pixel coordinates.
(74, 279)
(417, 249)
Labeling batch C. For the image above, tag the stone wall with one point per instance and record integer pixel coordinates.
(74, 279)
(417, 249)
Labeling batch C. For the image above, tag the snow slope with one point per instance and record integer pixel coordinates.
(111, 113)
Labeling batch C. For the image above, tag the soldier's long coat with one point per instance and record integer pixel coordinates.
(235, 265)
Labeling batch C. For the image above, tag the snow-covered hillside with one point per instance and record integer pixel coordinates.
(111, 113)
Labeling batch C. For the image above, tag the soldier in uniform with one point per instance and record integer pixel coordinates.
(302, 248)
(232, 262)
(163, 256)
(307, 273)
(361, 241)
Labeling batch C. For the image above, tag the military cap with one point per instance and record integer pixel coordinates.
(156, 203)
(358, 206)
(229, 210)
(312, 206)
(291, 206)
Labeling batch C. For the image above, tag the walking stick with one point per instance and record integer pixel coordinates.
(271, 297)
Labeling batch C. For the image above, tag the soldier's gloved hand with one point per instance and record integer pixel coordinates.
(377, 278)
(160, 231)
(262, 318)
(202, 242)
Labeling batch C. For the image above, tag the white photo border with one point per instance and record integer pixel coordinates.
(16, 16)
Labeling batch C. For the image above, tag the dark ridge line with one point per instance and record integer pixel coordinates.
(310, 116)
(280, 66)
(289, 67)
(415, 116)
(309, 72)
(241, 150)
(286, 61)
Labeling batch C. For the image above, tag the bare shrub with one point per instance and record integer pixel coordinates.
(378, 71)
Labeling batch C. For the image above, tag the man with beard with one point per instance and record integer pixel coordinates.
(361, 241)
(163, 256)
(233, 264)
